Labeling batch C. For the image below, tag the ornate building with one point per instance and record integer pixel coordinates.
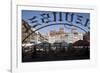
(57, 36)
(75, 35)
(61, 35)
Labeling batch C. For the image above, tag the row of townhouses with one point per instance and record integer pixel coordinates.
(53, 36)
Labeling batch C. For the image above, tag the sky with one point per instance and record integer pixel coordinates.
(78, 17)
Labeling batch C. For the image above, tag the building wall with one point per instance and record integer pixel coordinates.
(26, 30)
